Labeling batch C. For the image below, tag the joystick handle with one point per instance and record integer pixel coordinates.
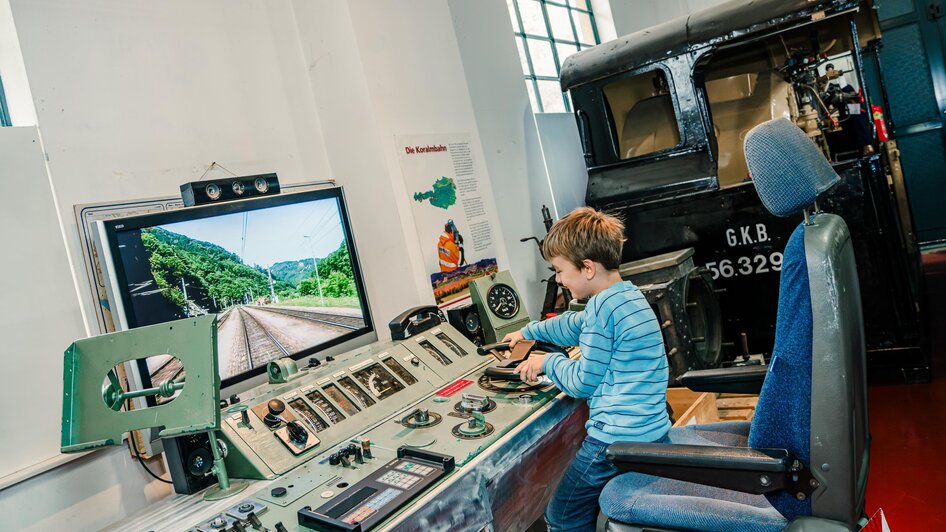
(297, 433)
(276, 407)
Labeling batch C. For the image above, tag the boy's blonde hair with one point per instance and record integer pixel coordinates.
(583, 234)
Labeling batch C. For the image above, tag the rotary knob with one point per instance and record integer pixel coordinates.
(476, 424)
(422, 416)
(474, 402)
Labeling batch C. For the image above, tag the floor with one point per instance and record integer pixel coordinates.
(908, 424)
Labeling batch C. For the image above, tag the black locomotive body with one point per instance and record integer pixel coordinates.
(662, 114)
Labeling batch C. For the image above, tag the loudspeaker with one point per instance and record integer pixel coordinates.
(467, 321)
(189, 461)
(229, 189)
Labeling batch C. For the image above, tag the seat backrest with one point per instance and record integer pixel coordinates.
(813, 401)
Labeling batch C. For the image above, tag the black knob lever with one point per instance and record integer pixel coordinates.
(276, 408)
(297, 433)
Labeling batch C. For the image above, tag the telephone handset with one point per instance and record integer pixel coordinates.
(413, 321)
(504, 371)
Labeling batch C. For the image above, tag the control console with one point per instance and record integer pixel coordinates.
(349, 444)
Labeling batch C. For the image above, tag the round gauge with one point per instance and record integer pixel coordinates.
(472, 323)
(238, 188)
(261, 185)
(213, 191)
(503, 301)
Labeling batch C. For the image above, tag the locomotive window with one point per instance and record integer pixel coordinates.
(642, 110)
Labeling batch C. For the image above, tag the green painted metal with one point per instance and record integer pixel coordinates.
(5, 120)
(282, 370)
(495, 327)
(89, 417)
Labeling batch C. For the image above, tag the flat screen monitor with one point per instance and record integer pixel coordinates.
(280, 272)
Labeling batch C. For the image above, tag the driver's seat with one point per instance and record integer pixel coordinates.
(802, 464)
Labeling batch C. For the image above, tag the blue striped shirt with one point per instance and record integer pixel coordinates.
(623, 367)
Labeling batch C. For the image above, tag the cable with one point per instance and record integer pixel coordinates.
(142, 462)
(134, 448)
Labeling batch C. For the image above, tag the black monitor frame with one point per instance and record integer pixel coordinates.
(114, 226)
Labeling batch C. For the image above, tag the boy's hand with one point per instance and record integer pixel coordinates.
(513, 338)
(530, 368)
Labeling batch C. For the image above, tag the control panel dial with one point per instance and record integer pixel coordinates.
(503, 301)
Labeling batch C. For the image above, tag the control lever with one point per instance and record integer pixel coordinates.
(421, 416)
(238, 526)
(254, 520)
(297, 433)
(490, 349)
(477, 420)
(356, 451)
(272, 418)
(280, 527)
(505, 370)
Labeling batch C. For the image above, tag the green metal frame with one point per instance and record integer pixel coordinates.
(5, 120)
(573, 7)
(90, 418)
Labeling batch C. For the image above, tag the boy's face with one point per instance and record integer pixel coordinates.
(576, 280)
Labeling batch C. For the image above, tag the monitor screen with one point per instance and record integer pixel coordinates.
(280, 272)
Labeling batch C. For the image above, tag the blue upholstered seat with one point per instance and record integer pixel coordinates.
(781, 420)
(818, 359)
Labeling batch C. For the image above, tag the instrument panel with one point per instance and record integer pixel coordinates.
(371, 421)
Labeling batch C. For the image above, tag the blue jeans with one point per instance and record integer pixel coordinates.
(574, 505)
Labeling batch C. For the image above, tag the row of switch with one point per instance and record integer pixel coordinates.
(358, 452)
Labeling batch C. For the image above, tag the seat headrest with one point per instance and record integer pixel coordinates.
(788, 169)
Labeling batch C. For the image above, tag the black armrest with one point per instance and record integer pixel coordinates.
(741, 379)
(742, 469)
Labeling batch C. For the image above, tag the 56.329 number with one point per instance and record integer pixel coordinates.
(753, 265)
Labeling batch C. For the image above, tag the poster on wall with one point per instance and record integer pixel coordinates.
(453, 212)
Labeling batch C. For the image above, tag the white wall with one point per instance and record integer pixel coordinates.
(134, 97)
(509, 137)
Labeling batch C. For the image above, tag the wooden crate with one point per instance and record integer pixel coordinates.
(698, 408)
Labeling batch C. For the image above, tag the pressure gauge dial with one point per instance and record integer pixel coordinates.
(503, 301)
(261, 185)
(237, 188)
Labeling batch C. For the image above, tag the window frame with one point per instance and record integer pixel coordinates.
(614, 136)
(531, 78)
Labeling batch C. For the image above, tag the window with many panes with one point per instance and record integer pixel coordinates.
(548, 31)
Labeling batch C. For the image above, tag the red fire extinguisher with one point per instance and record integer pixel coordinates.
(879, 123)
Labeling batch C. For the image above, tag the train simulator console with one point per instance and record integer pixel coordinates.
(426, 431)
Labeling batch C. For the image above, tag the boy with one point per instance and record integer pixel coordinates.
(623, 367)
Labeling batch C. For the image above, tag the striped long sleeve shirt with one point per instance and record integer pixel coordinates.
(623, 367)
